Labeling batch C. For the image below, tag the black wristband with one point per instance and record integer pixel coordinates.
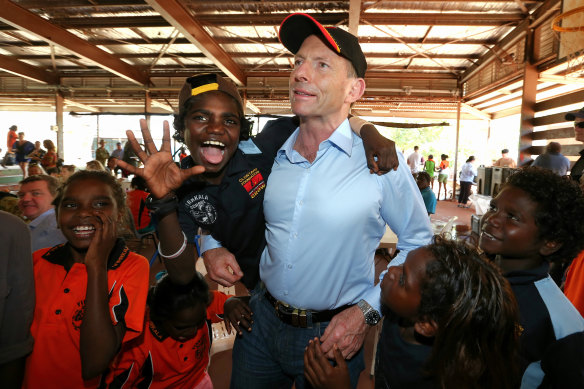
(162, 207)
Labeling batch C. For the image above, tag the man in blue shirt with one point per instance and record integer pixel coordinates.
(325, 215)
(35, 201)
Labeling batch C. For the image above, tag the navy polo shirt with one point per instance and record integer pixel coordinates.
(232, 212)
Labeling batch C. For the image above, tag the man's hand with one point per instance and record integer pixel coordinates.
(347, 330)
(222, 267)
(238, 314)
(159, 171)
(380, 151)
(319, 372)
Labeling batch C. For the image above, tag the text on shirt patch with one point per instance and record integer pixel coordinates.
(201, 209)
(253, 182)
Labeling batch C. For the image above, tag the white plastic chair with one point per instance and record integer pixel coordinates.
(447, 229)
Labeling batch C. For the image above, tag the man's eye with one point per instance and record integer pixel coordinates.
(69, 205)
(297, 62)
(101, 204)
(231, 122)
(323, 65)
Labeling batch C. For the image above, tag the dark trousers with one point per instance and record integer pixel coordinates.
(464, 192)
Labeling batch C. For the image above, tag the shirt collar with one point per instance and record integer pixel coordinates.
(39, 219)
(61, 255)
(341, 138)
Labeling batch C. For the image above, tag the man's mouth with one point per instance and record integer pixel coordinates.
(302, 93)
(213, 151)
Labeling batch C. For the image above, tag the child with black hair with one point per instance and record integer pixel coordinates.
(90, 291)
(423, 182)
(537, 220)
(173, 350)
(451, 321)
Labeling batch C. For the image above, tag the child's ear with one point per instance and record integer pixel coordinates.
(549, 247)
(426, 328)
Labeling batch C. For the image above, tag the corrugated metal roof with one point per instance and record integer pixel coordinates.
(415, 49)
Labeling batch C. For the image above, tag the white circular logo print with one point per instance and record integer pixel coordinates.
(202, 211)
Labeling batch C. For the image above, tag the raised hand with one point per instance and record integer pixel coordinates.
(160, 172)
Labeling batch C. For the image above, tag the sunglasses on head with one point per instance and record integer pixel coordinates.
(579, 124)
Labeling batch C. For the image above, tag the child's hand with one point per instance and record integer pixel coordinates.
(238, 314)
(319, 372)
(103, 241)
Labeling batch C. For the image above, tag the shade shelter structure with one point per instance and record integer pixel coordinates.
(434, 59)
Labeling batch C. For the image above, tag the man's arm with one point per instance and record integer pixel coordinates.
(404, 211)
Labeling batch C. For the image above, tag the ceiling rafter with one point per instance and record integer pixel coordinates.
(180, 18)
(22, 69)
(25, 20)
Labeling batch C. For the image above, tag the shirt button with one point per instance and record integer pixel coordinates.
(300, 202)
(186, 358)
(285, 293)
(180, 346)
(58, 312)
(66, 290)
(289, 266)
(295, 235)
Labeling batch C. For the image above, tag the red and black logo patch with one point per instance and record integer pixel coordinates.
(253, 182)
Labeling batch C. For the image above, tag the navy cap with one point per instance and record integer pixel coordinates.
(206, 82)
(299, 26)
(576, 114)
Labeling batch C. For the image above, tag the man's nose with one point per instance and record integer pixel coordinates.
(302, 72)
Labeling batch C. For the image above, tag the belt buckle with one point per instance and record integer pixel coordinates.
(298, 318)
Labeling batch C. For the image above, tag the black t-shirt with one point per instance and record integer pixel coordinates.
(233, 210)
(400, 364)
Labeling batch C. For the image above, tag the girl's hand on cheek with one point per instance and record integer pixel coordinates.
(103, 241)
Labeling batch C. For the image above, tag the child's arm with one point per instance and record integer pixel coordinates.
(162, 177)
(238, 314)
(100, 340)
(380, 151)
(319, 372)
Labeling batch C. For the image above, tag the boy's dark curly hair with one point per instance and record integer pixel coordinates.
(476, 342)
(179, 120)
(166, 298)
(105, 177)
(560, 209)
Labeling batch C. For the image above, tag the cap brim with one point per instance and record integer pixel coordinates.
(573, 115)
(299, 26)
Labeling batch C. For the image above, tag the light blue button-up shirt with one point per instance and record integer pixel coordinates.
(324, 221)
(44, 231)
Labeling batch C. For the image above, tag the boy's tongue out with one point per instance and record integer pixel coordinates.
(212, 154)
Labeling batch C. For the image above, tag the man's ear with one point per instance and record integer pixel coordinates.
(426, 328)
(549, 247)
(356, 91)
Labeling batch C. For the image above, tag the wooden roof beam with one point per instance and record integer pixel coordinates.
(25, 20)
(22, 69)
(274, 19)
(181, 19)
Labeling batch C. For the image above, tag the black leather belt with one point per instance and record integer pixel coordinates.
(299, 317)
